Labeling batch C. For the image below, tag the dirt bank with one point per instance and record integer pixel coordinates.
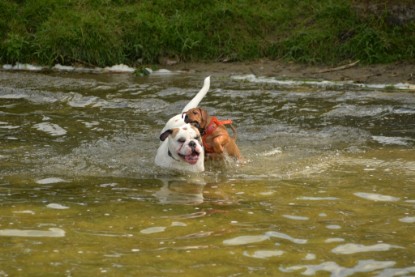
(381, 73)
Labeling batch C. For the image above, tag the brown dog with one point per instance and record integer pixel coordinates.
(215, 137)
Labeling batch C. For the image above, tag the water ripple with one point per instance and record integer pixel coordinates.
(242, 240)
(352, 248)
(263, 254)
(51, 233)
(274, 234)
(376, 197)
(334, 269)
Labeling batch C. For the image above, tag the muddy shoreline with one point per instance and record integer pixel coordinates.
(392, 73)
(379, 73)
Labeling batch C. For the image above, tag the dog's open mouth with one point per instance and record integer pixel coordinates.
(192, 158)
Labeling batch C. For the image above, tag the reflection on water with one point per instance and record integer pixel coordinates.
(328, 187)
(186, 192)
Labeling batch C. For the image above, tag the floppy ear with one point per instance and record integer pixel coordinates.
(166, 134)
(204, 117)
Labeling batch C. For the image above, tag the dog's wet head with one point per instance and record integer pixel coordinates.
(197, 117)
(185, 143)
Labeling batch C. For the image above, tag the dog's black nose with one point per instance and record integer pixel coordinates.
(186, 119)
(192, 144)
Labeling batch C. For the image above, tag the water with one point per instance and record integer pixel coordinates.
(328, 189)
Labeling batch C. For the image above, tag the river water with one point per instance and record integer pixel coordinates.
(328, 188)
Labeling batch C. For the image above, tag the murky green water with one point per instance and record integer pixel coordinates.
(328, 190)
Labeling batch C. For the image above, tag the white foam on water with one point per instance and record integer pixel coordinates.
(242, 240)
(80, 101)
(23, 67)
(24, 212)
(50, 180)
(57, 206)
(9, 127)
(13, 96)
(397, 272)
(353, 248)
(118, 68)
(295, 217)
(407, 219)
(310, 257)
(163, 72)
(273, 152)
(404, 110)
(333, 227)
(376, 197)
(339, 271)
(331, 240)
(267, 193)
(263, 254)
(178, 224)
(111, 185)
(51, 233)
(90, 124)
(324, 84)
(50, 128)
(279, 235)
(312, 198)
(60, 67)
(153, 230)
(342, 110)
(392, 140)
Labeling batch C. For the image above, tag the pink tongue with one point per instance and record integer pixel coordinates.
(192, 158)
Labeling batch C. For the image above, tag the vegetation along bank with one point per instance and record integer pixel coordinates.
(105, 32)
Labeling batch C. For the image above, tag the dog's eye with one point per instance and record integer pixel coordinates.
(181, 140)
(194, 112)
(197, 138)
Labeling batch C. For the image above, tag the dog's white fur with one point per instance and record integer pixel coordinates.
(181, 149)
(176, 135)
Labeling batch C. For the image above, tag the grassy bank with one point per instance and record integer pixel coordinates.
(104, 32)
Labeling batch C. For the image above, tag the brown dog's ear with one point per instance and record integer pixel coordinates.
(204, 116)
(166, 134)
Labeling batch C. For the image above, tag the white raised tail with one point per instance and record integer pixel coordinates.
(194, 103)
(178, 120)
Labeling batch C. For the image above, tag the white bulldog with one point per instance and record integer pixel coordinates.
(181, 149)
(181, 144)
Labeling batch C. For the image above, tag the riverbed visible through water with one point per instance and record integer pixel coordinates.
(328, 187)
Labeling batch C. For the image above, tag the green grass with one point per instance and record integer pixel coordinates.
(105, 32)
